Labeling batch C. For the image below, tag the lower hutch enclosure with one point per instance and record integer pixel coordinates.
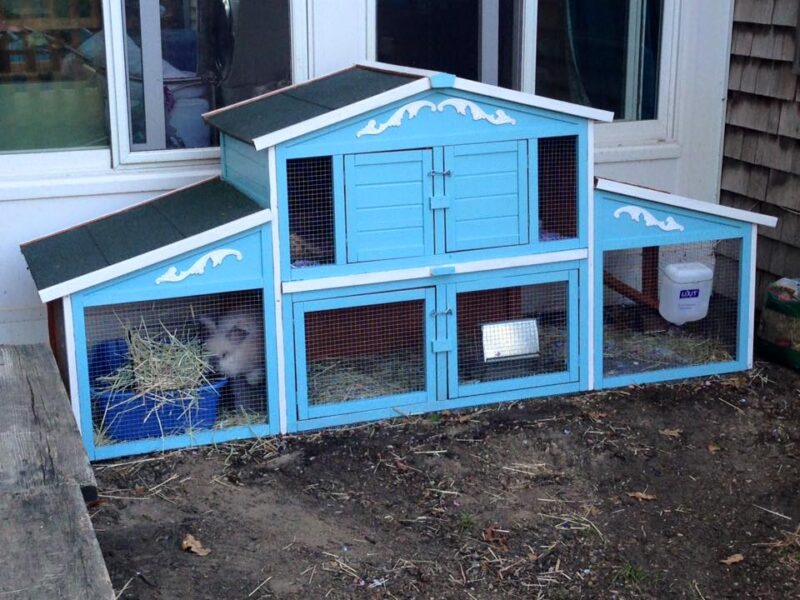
(382, 242)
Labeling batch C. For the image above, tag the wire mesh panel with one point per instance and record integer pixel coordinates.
(512, 332)
(365, 352)
(670, 306)
(176, 366)
(558, 188)
(311, 220)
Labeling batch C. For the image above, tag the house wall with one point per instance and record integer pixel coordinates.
(679, 152)
(761, 163)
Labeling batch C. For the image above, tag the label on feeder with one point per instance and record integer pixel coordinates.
(695, 293)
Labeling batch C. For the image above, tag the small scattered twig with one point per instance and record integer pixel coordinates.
(259, 586)
(696, 589)
(772, 512)
(118, 595)
(733, 406)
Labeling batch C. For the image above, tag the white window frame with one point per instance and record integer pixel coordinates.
(122, 153)
(617, 141)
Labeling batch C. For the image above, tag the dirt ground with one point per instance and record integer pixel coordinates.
(642, 492)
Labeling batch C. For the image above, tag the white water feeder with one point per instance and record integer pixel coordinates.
(683, 291)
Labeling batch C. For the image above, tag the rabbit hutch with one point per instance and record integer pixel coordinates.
(382, 242)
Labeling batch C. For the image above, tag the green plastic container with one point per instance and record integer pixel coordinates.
(778, 336)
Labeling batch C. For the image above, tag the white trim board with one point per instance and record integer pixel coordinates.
(635, 191)
(276, 285)
(410, 89)
(341, 114)
(477, 266)
(751, 294)
(590, 262)
(484, 89)
(72, 368)
(153, 257)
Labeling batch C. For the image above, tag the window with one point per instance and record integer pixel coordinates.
(52, 95)
(186, 57)
(601, 54)
(466, 37)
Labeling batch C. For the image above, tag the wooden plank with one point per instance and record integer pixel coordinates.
(734, 137)
(785, 13)
(753, 11)
(789, 124)
(742, 40)
(39, 440)
(735, 175)
(782, 190)
(49, 549)
(754, 112)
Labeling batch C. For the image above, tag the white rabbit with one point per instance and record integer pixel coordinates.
(236, 345)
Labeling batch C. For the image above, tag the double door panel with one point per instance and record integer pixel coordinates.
(443, 342)
(414, 203)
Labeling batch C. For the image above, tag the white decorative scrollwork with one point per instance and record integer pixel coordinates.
(216, 257)
(636, 213)
(500, 117)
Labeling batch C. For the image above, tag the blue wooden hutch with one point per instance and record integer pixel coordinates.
(390, 241)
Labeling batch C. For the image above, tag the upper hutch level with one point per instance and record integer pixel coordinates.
(371, 169)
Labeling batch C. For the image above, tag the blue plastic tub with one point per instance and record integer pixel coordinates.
(124, 417)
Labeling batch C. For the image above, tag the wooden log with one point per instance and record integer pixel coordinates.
(49, 548)
(629, 292)
(39, 439)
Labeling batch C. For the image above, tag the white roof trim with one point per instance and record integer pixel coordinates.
(341, 114)
(568, 108)
(400, 69)
(153, 257)
(484, 89)
(415, 87)
(635, 191)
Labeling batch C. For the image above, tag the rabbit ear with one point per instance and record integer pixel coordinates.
(208, 323)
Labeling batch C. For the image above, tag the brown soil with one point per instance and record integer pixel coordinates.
(533, 499)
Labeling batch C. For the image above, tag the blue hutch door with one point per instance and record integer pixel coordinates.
(512, 333)
(415, 203)
(362, 353)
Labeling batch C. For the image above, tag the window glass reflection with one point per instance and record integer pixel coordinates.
(52, 92)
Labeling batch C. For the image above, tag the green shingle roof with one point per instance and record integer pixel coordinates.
(129, 233)
(251, 119)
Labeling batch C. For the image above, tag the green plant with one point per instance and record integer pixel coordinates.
(466, 521)
(631, 574)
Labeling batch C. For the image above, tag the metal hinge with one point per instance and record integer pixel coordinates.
(437, 202)
(445, 345)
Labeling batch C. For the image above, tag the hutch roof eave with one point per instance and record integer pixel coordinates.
(248, 121)
(644, 193)
(171, 224)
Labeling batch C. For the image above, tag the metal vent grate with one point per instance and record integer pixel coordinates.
(311, 220)
(558, 188)
(177, 366)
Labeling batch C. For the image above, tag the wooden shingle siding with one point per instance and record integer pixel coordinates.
(761, 154)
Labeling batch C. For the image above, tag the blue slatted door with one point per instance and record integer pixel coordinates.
(487, 195)
(386, 200)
